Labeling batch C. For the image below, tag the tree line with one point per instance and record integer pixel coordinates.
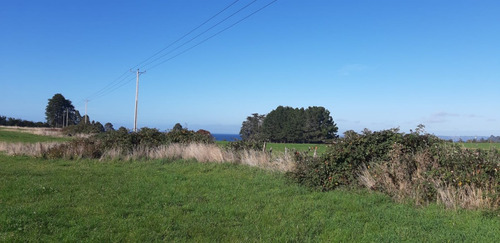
(290, 125)
(10, 121)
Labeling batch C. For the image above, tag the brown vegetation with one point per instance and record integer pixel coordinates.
(196, 151)
(407, 176)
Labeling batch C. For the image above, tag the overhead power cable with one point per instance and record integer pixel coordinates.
(212, 36)
(122, 79)
(110, 86)
(190, 40)
(125, 79)
(188, 33)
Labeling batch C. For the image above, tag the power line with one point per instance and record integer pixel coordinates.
(213, 26)
(110, 86)
(120, 81)
(188, 33)
(212, 36)
(115, 87)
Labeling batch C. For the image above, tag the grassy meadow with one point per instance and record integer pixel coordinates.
(20, 136)
(159, 200)
(183, 200)
(481, 145)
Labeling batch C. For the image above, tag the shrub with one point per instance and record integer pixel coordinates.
(406, 166)
(341, 164)
(186, 136)
(125, 142)
(244, 145)
(443, 173)
(76, 149)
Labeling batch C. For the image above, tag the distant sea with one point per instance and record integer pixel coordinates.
(226, 137)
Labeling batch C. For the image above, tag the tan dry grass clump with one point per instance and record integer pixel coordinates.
(467, 196)
(29, 149)
(405, 176)
(196, 151)
(205, 153)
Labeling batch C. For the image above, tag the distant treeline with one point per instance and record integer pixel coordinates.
(491, 139)
(290, 125)
(10, 121)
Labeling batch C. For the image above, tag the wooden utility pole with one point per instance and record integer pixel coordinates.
(136, 99)
(86, 101)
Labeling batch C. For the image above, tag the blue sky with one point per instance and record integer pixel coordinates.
(374, 64)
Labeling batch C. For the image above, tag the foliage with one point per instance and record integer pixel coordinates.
(177, 127)
(340, 165)
(291, 125)
(179, 201)
(251, 129)
(457, 166)
(10, 121)
(244, 145)
(82, 128)
(419, 163)
(494, 139)
(125, 141)
(59, 109)
(108, 127)
(188, 136)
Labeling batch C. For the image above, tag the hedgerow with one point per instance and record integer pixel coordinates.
(125, 141)
(417, 166)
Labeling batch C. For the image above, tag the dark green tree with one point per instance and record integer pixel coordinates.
(58, 109)
(251, 129)
(177, 128)
(287, 124)
(108, 127)
(319, 125)
(3, 120)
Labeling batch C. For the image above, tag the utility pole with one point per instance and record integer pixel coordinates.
(136, 99)
(86, 101)
(67, 115)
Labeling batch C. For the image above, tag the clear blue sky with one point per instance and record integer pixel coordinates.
(374, 64)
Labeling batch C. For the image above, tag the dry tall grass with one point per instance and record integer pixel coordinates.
(30, 149)
(405, 176)
(467, 196)
(197, 151)
(205, 153)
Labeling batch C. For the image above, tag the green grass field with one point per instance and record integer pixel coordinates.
(481, 145)
(22, 137)
(59, 200)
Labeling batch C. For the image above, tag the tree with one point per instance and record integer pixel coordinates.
(251, 129)
(97, 127)
(177, 128)
(292, 125)
(58, 109)
(108, 127)
(319, 125)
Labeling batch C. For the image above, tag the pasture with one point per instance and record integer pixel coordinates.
(161, 200)
(25, 135)
(481, 145)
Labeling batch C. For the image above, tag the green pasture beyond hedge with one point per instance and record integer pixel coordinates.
(22, 137)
